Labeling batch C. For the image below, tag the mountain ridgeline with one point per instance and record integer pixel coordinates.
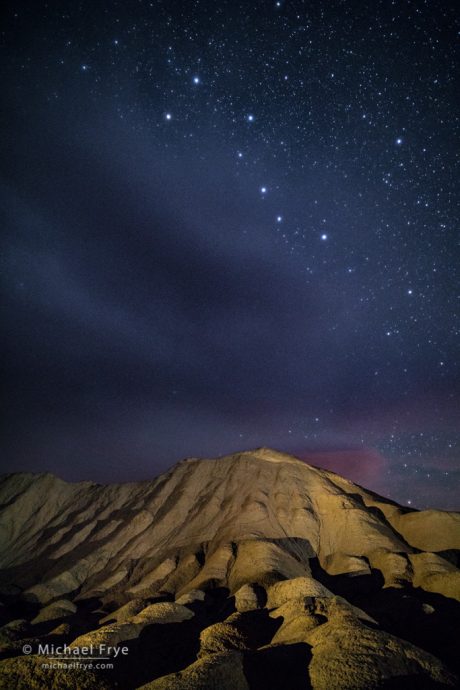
(251, 571)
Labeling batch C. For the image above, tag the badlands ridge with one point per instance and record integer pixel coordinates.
(251, 571)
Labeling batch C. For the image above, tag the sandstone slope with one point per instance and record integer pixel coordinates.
(219, 572)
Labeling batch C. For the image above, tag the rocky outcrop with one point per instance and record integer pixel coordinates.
(221, 572)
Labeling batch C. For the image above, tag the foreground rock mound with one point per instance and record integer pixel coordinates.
(251, 571)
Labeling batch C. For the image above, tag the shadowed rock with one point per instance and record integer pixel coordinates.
(252, 571)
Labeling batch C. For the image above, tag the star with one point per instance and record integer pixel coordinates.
(345, 251)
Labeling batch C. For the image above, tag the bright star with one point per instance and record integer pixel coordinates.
(279, 219)
(324, 237)
(196, 80)
(168, 116)
(399, 141)
(250, 118)
(409, 292)
(263, 190)
(84, 68)
(240, 155)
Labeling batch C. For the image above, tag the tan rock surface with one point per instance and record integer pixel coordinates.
(230, 573)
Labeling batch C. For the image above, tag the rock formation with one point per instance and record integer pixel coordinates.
(251, 571)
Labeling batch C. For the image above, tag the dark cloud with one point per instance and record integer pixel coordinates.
(158, 304)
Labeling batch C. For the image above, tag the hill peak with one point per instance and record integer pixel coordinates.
(258, 531)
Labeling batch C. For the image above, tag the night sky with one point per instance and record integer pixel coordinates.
(232, 224)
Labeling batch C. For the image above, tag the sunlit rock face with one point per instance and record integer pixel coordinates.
(249, 571)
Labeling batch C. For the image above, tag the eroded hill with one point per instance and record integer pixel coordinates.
(250, 571)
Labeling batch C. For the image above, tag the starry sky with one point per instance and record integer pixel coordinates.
(232, 224)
